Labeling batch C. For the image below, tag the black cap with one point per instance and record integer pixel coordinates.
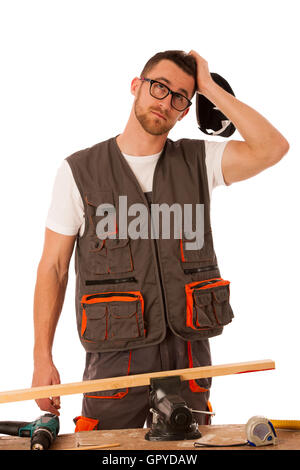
(210, 119)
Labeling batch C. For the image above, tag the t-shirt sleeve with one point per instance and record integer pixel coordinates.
(214, 153)
(66, 212)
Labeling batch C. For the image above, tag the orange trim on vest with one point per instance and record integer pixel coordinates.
(119, 395)
(181, 250)
(114, 298)
(189, 289)
(83, 322)
(85, 424)
(209, 406)
(194, 387)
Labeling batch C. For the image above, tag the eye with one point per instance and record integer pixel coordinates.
(179, 98)
(158, 90)
(159, 86)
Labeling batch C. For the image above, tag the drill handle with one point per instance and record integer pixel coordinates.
(12, 428)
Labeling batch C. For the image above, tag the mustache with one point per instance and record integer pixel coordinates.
(159, 111)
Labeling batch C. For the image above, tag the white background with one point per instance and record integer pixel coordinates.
(66, 68)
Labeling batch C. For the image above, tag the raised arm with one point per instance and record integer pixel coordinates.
(51, 283)
(263, 145)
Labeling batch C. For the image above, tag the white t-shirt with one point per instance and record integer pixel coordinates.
(66, 211)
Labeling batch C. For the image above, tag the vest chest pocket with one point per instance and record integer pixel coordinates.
(118, 255)
(207, 304)
(197, 253)
(105, 254)
(109, 256)
(112, 316)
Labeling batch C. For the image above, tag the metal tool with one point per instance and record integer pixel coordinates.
(172, 418)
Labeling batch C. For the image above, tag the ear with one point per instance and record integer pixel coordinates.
(135, 83)
(184, 114)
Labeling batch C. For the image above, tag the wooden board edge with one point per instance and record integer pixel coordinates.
(88, 386)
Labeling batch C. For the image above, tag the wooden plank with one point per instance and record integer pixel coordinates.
(89, 386)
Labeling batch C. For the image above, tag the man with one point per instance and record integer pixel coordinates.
(141, 162)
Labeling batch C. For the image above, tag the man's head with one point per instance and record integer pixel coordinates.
(175, 69)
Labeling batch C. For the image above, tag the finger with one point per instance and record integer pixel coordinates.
(56, 402)
(52, 409)
(45, 404)
(54, 405)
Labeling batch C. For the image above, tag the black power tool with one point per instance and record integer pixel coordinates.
(42, 431)
(172, 419)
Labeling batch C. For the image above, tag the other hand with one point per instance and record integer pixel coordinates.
(204, 79)
(46, 374)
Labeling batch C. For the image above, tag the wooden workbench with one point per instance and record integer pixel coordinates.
(133, 439)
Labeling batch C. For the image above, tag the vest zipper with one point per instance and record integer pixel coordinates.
(200, 270)
(112, 294)
(96, 282)
(156, 243)
(205, 283)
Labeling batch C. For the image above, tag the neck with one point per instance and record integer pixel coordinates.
(134, 140)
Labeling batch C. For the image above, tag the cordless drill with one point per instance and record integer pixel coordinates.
(42, 431)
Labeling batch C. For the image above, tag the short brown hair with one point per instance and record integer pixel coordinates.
(185, 61)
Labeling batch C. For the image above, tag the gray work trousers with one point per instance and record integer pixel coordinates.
(129, 408)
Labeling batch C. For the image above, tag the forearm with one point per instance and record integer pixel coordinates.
(259, 134)
(48, 301)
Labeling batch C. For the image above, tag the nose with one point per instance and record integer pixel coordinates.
(166, 102)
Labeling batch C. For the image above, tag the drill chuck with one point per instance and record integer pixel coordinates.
(41, 439)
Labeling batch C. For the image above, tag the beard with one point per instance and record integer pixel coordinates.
(151, 123)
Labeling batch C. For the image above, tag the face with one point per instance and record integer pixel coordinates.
(158, 117)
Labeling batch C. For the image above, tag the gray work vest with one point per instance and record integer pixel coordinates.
(128, 290)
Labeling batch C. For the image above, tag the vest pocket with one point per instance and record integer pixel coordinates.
(111, 255)
(207, 304)
(97, 259)
(123, 320)
(200, 253)
(118, 255)
(106, 255)
(93, 326)
(110, 316)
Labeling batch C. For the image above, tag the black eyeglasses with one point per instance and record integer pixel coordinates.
(160, 91)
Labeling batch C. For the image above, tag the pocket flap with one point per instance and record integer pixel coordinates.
(113, 243)
(121, 309)
(188, 236)
(96, 245)
(96, 198)
(221, 294)
(202, 299)
(95, 311)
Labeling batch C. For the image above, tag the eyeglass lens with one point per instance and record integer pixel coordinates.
(159, 91)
